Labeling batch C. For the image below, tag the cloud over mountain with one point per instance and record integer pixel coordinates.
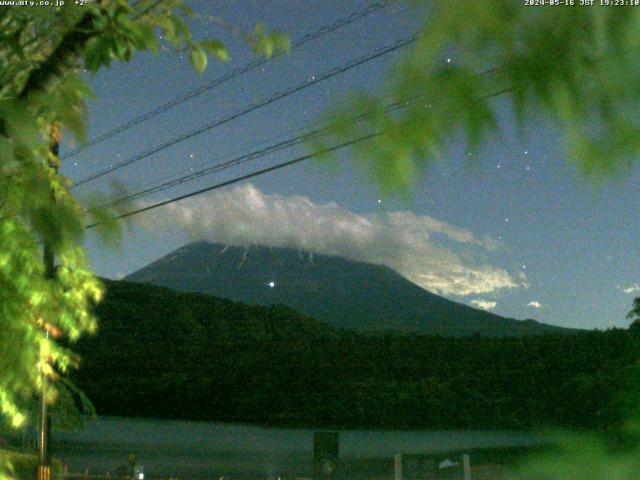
(431, 253)
(484, 304)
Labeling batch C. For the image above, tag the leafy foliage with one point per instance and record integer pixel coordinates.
(23, 466)
(576, 66)
(41, 52)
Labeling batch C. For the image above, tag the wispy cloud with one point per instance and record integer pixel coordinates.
(484, 304)
(632, 289)
(431, 253)
(534, 304)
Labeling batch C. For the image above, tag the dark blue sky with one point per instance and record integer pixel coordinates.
(564, 249)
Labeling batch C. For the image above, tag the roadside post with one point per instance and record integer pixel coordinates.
(325, 454)
(44, 428)
(466, 464)
(397, 466)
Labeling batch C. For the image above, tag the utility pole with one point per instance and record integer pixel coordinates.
(44, 457)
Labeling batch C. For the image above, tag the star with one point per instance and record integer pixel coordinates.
(379, 201)
(272, 284)
(527, 167)
(448, 60)
(526, 152)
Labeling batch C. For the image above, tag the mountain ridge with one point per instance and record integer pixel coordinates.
(332, 289)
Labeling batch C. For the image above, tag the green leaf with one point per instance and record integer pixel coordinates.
(122, 49)
(180, 27)
(268, 43)
(198, 58)
(216, 48)
(168, 28)
(107, 225)
(93, 54)
(281, 41)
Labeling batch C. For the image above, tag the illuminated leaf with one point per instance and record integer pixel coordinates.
(216, 48)
(198, 58)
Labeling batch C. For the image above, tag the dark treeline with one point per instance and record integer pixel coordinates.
(160, 353)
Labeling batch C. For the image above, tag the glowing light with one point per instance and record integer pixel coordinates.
(272, 284)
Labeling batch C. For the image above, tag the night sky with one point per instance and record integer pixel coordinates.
(513, 228)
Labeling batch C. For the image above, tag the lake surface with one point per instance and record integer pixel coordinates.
(210, 450)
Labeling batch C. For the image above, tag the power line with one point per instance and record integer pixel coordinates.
(355, 16)
(222, 157)
(261, 152)
(244, 177)
(255, 106)
(215, 168)
(272, 168)
(244, 158)
(243, 151)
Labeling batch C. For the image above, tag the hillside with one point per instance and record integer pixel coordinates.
(334, 290)
(166, 354)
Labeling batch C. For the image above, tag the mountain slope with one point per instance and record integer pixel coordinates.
(164, 354)
(334, 290)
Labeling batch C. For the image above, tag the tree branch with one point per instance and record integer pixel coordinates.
(52, 66)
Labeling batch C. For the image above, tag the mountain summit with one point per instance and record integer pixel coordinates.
(337, 291)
